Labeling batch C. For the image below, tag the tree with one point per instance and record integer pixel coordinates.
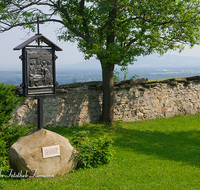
(116, 32)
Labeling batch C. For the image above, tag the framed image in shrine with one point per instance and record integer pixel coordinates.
(38, 67)
(40, 72)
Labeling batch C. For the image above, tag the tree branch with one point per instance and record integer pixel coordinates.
(85, 25)
(129, 19)
(105, 25)
(131, 42)
(18, 8)
(23, 23)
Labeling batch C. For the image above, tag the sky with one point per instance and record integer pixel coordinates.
(69, 55)
(12, 38)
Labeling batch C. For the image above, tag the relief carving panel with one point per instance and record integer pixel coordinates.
(40, 71)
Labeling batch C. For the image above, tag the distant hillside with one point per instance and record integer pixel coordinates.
(151, 61)
(84, 65)
(167, 61)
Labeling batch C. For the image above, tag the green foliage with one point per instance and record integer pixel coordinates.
(91, 153)
(3, 153)
(2, 183)
(116, 32)
(125, 73)
(149, 86)
(134, 76)
(8, 102)
(10, 133)
(160, 154)
(116, 75)
(125, 70)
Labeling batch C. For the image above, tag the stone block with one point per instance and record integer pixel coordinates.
(147, 111)
(127, 113)
(169, 114)
(170, 109)
(140, 114)
(164, 110)
(26, 154)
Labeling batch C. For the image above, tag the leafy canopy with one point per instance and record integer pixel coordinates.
(115, 31)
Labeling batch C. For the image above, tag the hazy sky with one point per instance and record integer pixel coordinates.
(16, 36)
(69, 55)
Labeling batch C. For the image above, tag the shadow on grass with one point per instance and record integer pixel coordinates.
(94, 130)
(181, 146)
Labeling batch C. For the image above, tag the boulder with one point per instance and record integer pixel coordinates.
(42, 153)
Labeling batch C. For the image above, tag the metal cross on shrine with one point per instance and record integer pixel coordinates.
(38, 69)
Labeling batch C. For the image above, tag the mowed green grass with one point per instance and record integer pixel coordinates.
(160, 154)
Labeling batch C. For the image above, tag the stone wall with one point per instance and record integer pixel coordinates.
(137, 99)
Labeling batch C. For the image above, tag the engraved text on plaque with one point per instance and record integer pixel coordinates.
(51, 151)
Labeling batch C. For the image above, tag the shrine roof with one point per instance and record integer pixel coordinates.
(36, 37)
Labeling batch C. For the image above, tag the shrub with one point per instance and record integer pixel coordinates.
(12, 132)
(92, 153)
(3, 153)
(8, 102)
(9, 134)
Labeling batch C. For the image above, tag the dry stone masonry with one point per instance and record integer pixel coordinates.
(137, 99)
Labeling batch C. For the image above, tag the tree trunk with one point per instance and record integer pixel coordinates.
(108, 70)
(108, 93)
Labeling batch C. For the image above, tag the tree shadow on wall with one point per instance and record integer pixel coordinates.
(94, 106)
(74, 108)
(62, 109)
(182, 146)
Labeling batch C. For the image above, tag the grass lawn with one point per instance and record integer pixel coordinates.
(160, 154)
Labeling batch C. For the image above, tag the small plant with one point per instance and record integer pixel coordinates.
(125, 70)
(148, 86)
(134, 77)
(91, 153)
(116, 76)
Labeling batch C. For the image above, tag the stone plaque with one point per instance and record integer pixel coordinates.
(51, 151)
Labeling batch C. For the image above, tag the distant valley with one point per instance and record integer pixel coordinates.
(77, 75)
(151, 67)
